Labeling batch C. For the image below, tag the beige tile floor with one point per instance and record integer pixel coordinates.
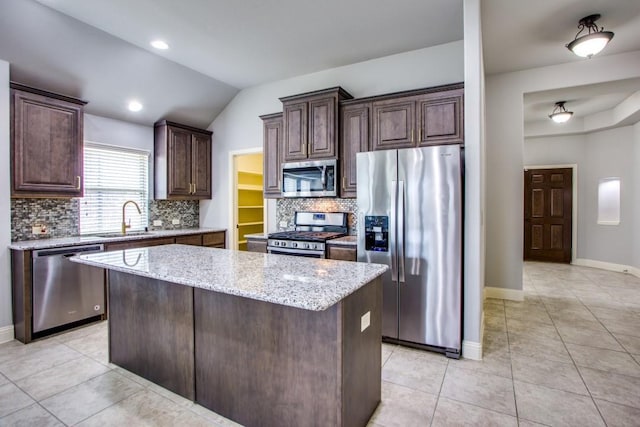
(568, 355)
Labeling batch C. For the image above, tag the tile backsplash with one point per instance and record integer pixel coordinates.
(61, 216)
(286, 209)
(187, 211)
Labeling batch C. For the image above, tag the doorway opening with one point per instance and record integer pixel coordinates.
(550, 212)
(248, 203)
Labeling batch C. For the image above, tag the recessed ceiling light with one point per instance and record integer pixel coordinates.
(135, 106)
(159, 44)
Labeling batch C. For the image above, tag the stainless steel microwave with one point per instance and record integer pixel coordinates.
(316, 178)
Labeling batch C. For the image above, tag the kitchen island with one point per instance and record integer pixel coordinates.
(261, 339)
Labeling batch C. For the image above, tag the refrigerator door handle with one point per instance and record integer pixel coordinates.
(401, 231)
(393, 231)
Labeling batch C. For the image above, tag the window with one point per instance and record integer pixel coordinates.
(609, 201)
(113, 175)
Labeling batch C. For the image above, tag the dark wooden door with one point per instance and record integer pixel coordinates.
(355, 139)
(322, 128)
(201, 165)
(440, 118)
(393, 124)
(295, 132)
(272, 154)
(179, 162)
(547, 214)
(46, 146)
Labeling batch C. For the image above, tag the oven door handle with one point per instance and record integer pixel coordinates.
(291, 251)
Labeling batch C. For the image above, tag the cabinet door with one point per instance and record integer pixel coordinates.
(440, 118)
(179, 162)
(322, 128)
(355, 139)
(272, 156)
(393, 123)
(201, 166)
(295, 131)
(47, 146)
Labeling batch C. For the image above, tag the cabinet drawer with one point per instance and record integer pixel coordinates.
(195, 240)
(214, 239)
(257, 246)
(342, 253)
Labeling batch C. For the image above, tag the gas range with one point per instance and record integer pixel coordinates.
(312, 231)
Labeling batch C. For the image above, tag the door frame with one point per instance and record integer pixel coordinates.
(574, 202)
(233, 197)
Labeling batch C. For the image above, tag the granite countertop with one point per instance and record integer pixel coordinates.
(27, 245)
(257, 236)
(344, 241)
(307, 283)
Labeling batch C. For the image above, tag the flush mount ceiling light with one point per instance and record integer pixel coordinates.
(159, 44)
(590, 44)
(560, 114)
(135, 106)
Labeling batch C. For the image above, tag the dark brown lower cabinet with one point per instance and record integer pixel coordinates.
(151, 330)
(344, 253)
(254, 362)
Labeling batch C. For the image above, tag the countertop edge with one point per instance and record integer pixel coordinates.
(57, 242)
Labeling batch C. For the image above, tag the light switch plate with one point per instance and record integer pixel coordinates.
(157, 223)
(175, 221)
(365, 321)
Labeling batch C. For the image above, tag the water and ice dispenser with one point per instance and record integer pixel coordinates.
(376, 231)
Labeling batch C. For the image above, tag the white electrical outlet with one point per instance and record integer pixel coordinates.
(283, 224)
(157, 223)
(175, 221)
(39, 229)
(365, 321)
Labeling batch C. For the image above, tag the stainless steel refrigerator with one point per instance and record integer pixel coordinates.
(410, 218)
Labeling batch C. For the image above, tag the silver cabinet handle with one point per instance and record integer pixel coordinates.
(78, 182)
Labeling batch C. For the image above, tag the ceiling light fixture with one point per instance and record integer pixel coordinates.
(560, 114)
(159, 44)
(590, 44)
(135, 106)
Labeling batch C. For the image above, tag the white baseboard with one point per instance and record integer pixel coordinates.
(621, 268)
(471, 350)
(6, 334)
(503, 293)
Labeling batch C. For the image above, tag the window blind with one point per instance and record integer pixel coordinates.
(113, 175)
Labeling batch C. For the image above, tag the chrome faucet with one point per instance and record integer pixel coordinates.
(124, 223)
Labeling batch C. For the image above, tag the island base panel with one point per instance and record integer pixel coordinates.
(151, 330)
(259, 363)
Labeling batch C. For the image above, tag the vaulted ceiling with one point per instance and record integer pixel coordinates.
(99, 50)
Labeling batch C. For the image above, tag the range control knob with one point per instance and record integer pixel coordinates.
(306, 245)
(294, 245)
(276, 243)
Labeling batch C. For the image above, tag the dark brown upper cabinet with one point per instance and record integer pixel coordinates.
(46, 143)
(354, 124)
(310, 124)
(182, 162)
(418, 118)
(272, 154)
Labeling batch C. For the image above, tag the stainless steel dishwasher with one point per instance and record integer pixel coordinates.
(64, 291)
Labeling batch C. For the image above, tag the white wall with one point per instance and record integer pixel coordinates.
(504, 127)
(239, 127)
(6, 318)
(474, 233)
(636, 206)
(598, 155)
